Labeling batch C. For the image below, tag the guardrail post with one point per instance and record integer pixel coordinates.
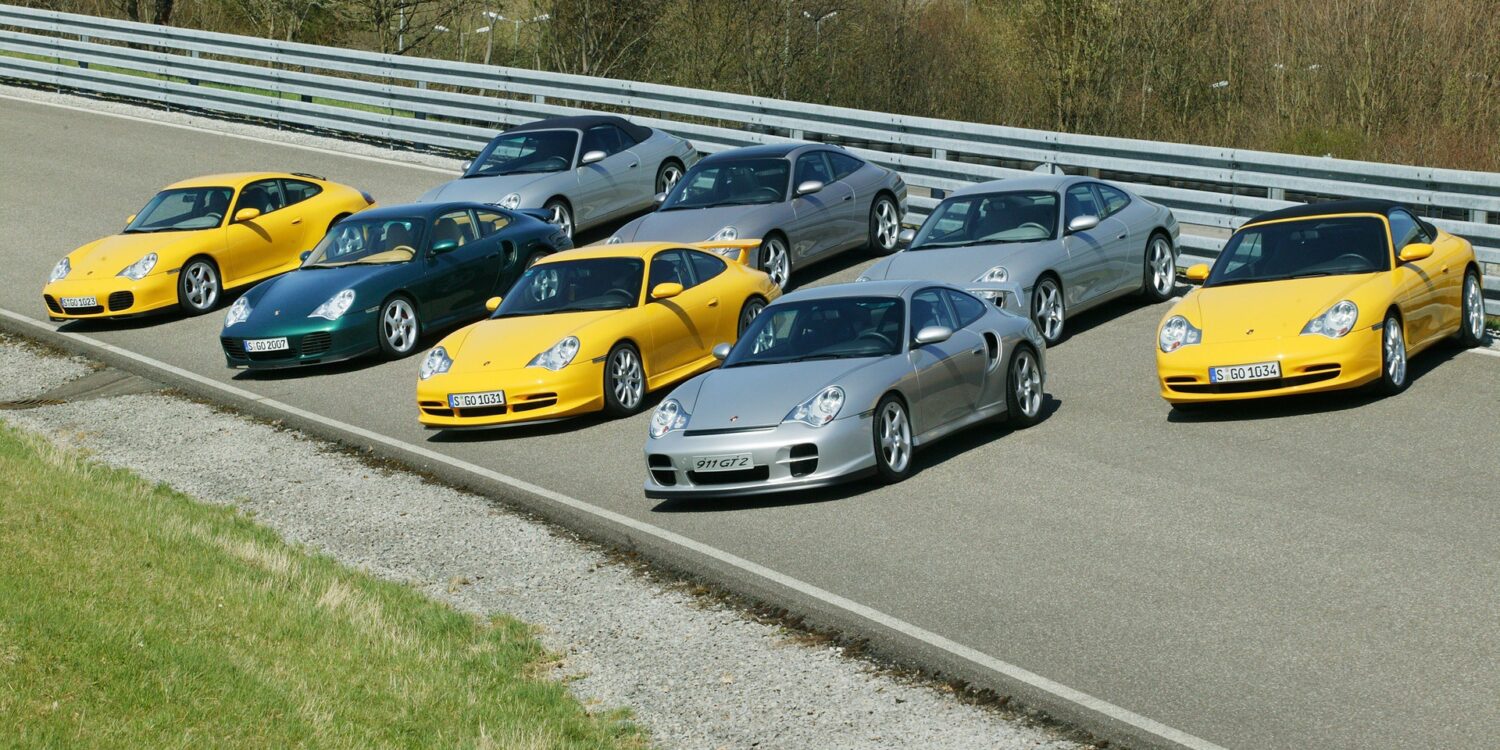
(538, 99)
(306, 97)
(83, 38)
(795, 134)
(941, 154)
(1479, 216)
(193, 54)
(1276, 194)
(419, 113)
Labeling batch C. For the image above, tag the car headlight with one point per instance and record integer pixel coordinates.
(615, 240)
(1176, 333)
(996, 275)
(820, 409)
(558, 356)
(60, 271)
(335, 307)
(239, 312)
(436, 362)
(725, 235)
(138, 270)
(1335, 322)
(511, 201)
(669, 416)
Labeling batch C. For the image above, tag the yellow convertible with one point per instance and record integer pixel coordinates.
(592, 329)
(195, 239)
(1316, 298)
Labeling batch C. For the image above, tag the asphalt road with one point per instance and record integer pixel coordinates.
(1311, 573)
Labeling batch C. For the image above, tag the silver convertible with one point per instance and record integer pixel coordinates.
(863, 374)
(1059, 244)
(582, 171)
(804, 202)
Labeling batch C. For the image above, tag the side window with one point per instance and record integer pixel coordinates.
(490, 222)
(626, 141)
(454, 226)
(929, 309)
(606, 138)
(1114, 199)
(966, 307)
(705, 266)
(264, 196)
(843, 164)
(812, 166)
(297, 191)
(670, 267)
(1404, 229)
(1080, 202)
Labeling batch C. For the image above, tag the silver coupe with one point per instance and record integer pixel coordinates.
(804, 202)
(582, 171)
(863, 374)
(1065, 243)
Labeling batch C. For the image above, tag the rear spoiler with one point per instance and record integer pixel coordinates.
(735, 250)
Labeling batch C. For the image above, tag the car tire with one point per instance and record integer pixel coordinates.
(1023, 388)
(1394, 369)
(667, 176)
(397, 328)
(624, 381)
(751, 310)
(1048, 311)
(776, 259)
(199, 286)
(560, 214)
(891, 432)
(1471, 312)
(885, 226)
(1159, 278)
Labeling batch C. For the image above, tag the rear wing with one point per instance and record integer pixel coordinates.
(739, 251)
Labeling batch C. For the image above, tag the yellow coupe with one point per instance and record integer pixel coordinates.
(197, 238)
(1319, 297)
(592, 329)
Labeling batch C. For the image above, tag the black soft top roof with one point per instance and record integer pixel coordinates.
(1355, 206)
(584, 122)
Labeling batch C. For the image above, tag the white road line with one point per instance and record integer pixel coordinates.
(1486, 351)
(1059, 690)
(243, 137)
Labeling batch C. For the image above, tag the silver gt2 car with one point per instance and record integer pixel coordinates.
(1067, 243)
(837, 382)
(581, 170)
(804, 202)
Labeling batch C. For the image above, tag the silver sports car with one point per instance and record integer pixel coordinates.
(581, 170)
(803, 202)
(1066, 243)
(863, 375)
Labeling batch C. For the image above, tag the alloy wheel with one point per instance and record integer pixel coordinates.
(670, 175)
(775, 261)
(1474, 308)
(752, 310)
(626, 378)
(1163, 272)
(201, 285)
(399, 326)
(1047, 310)
(887, 225)
(1028, 384)
(558, 214)
(895, 437)
(1395, 353)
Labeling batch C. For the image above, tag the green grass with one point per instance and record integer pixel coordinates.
(133, 616)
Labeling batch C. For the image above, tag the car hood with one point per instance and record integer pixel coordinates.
(292, 296)
(110, 255)
(954, 265)
(698, 224)
(483, 189)
(509, 343)
(738, 396)
(1271, 309)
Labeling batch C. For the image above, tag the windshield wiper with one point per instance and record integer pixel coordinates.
(944, 245)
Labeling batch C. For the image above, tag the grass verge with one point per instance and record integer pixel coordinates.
(133, 616)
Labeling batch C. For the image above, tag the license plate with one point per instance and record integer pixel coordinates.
(267, 345)
(728, 462)
(79, 301)
(1236, 373)
(476, 400)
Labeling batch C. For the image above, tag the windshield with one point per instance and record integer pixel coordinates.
(526, 152)
(837, 328)
(737, 182)
(1297, 249)
(183, 210)
(1021, 216)
(573, 286)
(368, 241)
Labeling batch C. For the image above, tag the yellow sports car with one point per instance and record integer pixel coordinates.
(581, 333)
(1316, 298)
(197, 238)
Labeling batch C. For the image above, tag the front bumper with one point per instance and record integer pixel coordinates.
(532, 394)
(789, 456)
(1309, 364)
(117, 296)
(311, 344)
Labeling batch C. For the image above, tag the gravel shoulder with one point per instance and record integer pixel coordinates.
(696, 673)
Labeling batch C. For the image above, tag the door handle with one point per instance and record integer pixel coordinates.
(1119, 236)
(633, 166)
(297, 220)
(713, 302)
(849, 197)
(1445, 269)
(492, 255)
(977, 352)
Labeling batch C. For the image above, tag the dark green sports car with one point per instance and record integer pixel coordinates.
(380, 278)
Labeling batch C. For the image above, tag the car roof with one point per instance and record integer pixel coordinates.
(764, 151)
(886, 288)
(236, 179)
(1049, 182)
(618, 250)
(584, 122)
(418, 210)
(1328, 208)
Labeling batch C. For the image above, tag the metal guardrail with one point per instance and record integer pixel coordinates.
(456, 106)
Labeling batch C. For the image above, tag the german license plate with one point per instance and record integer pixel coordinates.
(1237, 373)
(79, 301)
(727, 462)
(476, 400)
(267, 345)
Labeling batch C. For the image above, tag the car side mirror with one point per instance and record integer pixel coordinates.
(444, 246)
(305, 255)
(808, 187)
(666, 290)
(1416, 251)
(129, 219)
(245, 214)
(721, 352)
(592, 156)
(661, 198)
(933, 335)
(906, 237)
(1082, 224)
(464, 168)
(492, 304)
(1197, 273)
